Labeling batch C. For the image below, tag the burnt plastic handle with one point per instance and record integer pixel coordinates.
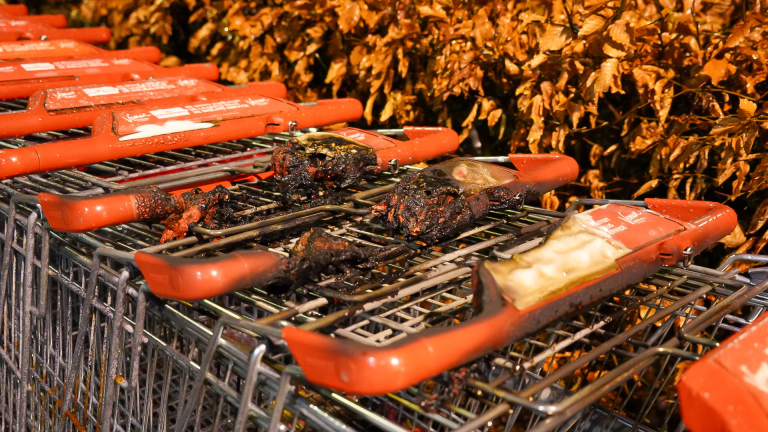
(14, 10)
(68, 213)
(55, 20)
(197, 279)
(546, 172)
(88, 34)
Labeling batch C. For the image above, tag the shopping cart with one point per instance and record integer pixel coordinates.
(106, 354)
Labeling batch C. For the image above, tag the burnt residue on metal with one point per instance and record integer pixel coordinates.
(319, 160)
(319, 252)
(197, 206)
(453, 384)
(433, 208)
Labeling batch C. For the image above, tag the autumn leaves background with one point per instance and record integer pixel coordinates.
(653, 97)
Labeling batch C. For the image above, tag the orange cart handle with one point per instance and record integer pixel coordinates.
(424, 143)
(69, 213)
(545, 172)
(367, 370)
(148, 54)
(54, 20)
(88, 34)
(197, 279)
(719, 392)
(14, 10)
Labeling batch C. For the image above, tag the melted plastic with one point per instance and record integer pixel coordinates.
(576, 252)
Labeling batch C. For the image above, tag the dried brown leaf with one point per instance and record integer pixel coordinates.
(555, 37)
(735, 238)
(747, 108)
(759, 217)
(718, 70)
(608, 71)
(647, 187)
(590, 25)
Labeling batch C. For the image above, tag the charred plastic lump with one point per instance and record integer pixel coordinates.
(339, 159)
(623, 245)
(444, 199)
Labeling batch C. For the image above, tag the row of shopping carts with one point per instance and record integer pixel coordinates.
(85, 346)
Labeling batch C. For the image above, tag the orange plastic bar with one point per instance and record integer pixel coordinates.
(725, 391)
(19, 51)
(84, 213)
(197, 279)
(545, 172)
(69, 213)
(175, 123)
(14, 10)
(424, 143)
(25, 78)
(22, 28)
(72, 107)
(54, 21)
(367, 370)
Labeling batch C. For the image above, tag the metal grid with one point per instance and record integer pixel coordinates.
(133, 360)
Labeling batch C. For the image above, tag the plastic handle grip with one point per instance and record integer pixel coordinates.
(712, 221)
(271, 89)
(80, 214)
(328, 111)
(719, 392)
(14, 10)
(148, 54)
(54, 21)
(69, 213)
(546, 172)
(87, 34)
(425, 143)
(197, 279)
(207, 71)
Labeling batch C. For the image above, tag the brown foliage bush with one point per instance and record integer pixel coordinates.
(653, 97)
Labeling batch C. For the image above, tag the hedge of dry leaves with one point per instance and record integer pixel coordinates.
(654, 97)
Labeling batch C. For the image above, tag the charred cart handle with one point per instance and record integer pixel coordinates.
(362, 369)
(88, 34)
(69, 213)
(424, 143)
(105, 145)
(546, 172)
(54, 20)
(198, 279)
